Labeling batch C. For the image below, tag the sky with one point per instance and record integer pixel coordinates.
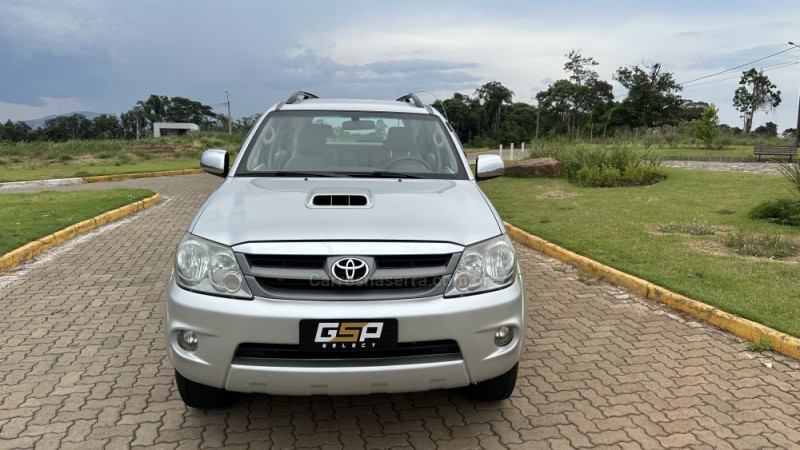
(60, 56)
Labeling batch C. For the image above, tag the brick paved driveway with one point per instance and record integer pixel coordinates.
(82, 365)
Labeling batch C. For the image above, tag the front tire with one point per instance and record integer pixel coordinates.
(196, 395)
(494, 389)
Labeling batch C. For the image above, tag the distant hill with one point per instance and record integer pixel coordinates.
(38, 123)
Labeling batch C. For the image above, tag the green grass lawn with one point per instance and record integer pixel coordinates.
(27, 217)
(618, 227)
(27, 172)
(45, 160)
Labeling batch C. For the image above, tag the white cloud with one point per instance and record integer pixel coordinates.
(50, 105)
(65, 27)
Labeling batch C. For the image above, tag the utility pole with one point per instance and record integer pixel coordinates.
(230, 123)
(797, 130)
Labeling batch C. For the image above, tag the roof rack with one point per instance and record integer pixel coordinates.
(299, 95)
(413, 99)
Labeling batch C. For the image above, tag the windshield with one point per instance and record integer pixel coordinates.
(353, 144)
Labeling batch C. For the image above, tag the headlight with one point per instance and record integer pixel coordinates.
(208, 267)
(485, 266)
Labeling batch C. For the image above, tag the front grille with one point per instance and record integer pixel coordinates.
(307, 277)
(292, 351)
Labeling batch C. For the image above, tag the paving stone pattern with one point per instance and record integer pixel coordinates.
(83, 365)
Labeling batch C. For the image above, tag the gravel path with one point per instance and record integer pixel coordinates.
(749, 167)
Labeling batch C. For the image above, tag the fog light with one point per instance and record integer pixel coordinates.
(503, 336)
(188, 340)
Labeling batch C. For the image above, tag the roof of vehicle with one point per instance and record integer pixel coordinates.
(303, 101)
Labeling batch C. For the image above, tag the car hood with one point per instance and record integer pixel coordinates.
(248, 209)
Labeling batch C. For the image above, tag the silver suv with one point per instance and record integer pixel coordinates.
(348, 251)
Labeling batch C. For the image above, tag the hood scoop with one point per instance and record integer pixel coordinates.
(339, 198)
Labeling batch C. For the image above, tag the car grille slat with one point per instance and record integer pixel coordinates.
(292, 351)
(287, 261)
(410, 261)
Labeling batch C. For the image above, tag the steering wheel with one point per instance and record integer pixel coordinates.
(407, 159)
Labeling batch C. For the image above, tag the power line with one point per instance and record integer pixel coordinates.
(733, 77)
(730, 77)
(737, 67)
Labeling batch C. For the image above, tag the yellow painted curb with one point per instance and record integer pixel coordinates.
(746, 329)
(128, 176)
(28, 251)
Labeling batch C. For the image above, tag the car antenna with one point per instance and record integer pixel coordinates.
(437, 98)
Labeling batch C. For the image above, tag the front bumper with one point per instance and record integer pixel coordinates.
(222, 324)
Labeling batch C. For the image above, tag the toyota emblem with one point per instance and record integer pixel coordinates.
(350, 270)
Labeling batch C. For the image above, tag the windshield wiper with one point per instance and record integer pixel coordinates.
(380, 174)
(294, 173)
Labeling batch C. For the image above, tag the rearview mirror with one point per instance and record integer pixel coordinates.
(215, 161)
(358, 125)
(489, 166)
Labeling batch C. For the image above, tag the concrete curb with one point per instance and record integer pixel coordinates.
(31, 249)
(53, 182)
(129, 176)
(97, 178)
(746, 329)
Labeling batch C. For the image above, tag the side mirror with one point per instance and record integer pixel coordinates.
(215, 161)
(489, 166)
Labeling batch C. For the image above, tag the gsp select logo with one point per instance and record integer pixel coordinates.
(348, 335)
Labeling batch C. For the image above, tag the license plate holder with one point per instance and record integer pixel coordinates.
(348, 335)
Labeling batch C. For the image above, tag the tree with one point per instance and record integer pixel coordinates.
(755, 93)
(789, 133)
(556, 107)
(691, 110)
(133, 122)
(492, 96)
(519, 121)
(707, 128)
(106, 126)
(652, 99)
(463, 113)
(63, 128)
(582, 77)
(245, 123)
(768, 130)
(578, 67)
(154, 109)
(574, 103)
(15, 131)
(160, 108)
(180, 109)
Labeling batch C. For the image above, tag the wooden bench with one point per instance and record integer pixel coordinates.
(775, 150)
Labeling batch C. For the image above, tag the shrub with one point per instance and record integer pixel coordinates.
(695, 228)
(606, 165)
(707, 128)
(792, 174)
(769, 246)
(785, 211)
